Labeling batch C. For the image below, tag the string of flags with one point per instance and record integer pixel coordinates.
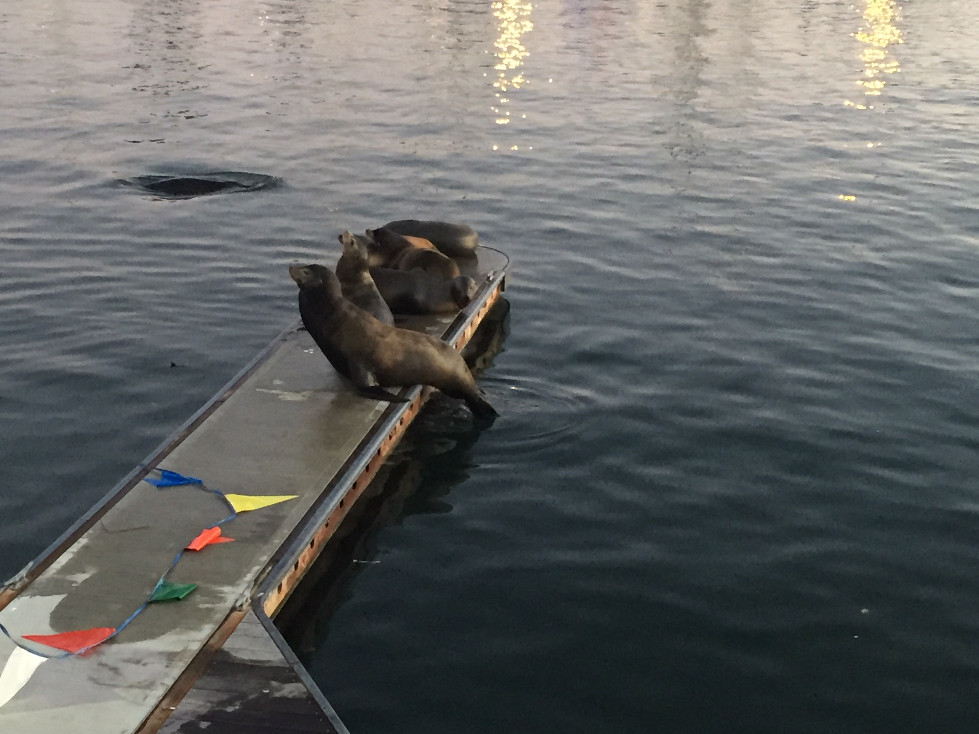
(77, 642)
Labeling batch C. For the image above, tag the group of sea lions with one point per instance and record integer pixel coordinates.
(407, 266)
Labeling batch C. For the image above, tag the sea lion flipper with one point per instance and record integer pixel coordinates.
(480, 406)
(367, 386)
(376, 392)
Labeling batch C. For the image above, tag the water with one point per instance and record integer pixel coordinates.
(733, 485)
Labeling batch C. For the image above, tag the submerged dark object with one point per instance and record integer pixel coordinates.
(203, 184)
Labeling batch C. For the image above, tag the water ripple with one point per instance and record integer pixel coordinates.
(536, 413)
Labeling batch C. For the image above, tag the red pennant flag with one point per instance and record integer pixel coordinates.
(74, 641)
(208, 536)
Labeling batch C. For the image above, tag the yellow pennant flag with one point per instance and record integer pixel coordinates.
(246, 502)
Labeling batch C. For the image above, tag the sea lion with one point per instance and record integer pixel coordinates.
(312, 303)
(392, 250)
(454, 240)
(391, 357)
(356, 281)
(414, 292)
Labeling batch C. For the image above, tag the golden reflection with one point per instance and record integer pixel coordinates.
(513, 21)
(878, 34)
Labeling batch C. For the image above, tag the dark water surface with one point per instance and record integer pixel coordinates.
(734, 484)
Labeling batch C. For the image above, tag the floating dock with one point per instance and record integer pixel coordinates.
(289, 446)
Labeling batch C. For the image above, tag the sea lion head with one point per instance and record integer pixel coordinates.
(313, 276)
(464, 289)
(355, 246)
(386, 240)
(377, 254)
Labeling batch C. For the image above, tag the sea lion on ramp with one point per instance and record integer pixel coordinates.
(356, 281)
(414, 292)
(311, 304)
(392, 250)
(391, 356)
(454, 240)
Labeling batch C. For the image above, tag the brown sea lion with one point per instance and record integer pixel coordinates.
(311, 304)
(392, 250)
(414, 292)
(356, 281)
(454, 240)
(388, 356)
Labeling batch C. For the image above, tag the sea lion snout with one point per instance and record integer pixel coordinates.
(300, 274)
(308, 276)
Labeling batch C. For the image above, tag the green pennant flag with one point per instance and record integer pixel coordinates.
(168, 591)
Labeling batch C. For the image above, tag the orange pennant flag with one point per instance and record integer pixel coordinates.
(206, 537)
(74, 641)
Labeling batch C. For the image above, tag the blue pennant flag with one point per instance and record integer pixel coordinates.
(172, 479)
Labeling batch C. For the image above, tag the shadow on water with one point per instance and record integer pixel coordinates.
(172, 186)
(409, 483)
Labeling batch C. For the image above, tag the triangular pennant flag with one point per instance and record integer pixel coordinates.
(172, 479)
(75, 640)
(167, 591)
(246, 502)
(206, 537)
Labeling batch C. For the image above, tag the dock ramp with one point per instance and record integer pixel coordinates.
(274, 461)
